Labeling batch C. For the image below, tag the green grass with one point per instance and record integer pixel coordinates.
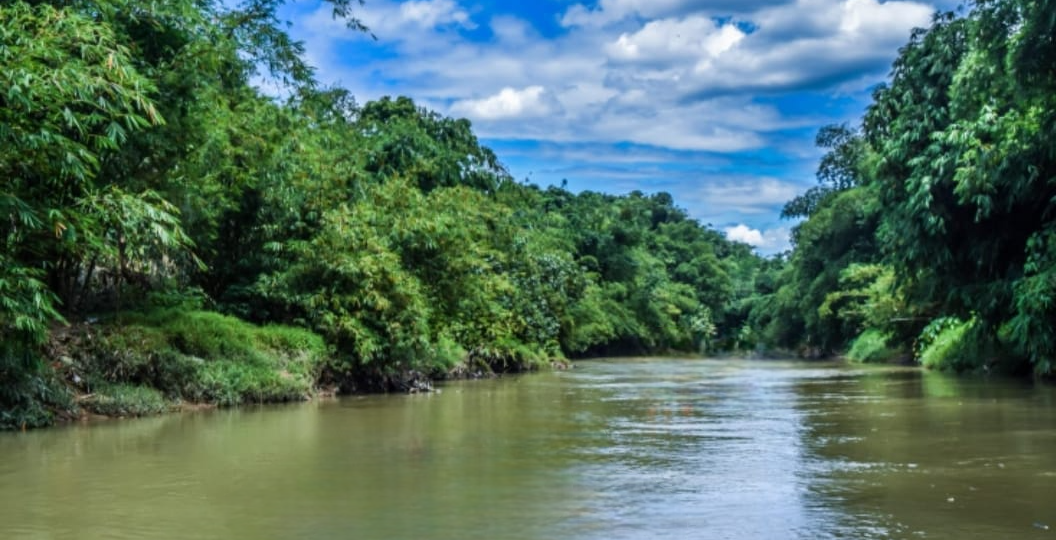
(126, 400)
(208, 357)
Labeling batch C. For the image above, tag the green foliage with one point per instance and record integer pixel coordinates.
(72, 96)
(146, 180)
(430, 150)
(1029, 332)
(966, 172)
(27, 308)
(348, 283)
(953, 174)
(26, 304)
(241, 362)
(71, 93)
(205, 357)
(871, 346)
(512, 277)
(942, 344)
(29, 393)
(126, 400)
(822, 293)
(593, 321)
(839, 169)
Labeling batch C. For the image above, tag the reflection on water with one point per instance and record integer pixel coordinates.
(628, 449)
(927, 455)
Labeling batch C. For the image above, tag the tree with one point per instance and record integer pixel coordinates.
(966, 174)
(838, 170)
(430, 149)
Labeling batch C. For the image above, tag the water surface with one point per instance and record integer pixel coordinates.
(620, 449)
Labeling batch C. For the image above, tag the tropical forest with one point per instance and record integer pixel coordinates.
(171, 232)
(253, 303)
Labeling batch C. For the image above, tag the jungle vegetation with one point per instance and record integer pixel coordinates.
(170, 232)
(932, 232)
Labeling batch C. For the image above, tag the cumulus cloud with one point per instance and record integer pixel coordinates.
(795, 45)
(744, 233)
(811, 43)
(432, 13)
(508, 103)
(608, 12)
(671, 40)
(390, 21)
(669, 73)
(768, 241)
(692, 79)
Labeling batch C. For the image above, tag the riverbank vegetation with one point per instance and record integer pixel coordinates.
(171, 234)
(933, 228)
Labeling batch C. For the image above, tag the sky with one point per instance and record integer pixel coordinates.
(713, 101)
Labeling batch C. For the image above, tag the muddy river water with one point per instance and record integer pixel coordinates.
(613, 449)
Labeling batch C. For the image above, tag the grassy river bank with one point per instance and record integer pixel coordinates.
(169, 360)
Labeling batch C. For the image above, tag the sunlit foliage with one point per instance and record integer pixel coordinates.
(955, 190)
(145, 179)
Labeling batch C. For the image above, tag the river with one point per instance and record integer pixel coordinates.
(618, 449)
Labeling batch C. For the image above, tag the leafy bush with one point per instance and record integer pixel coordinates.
(447, 354)
(508, 356)
(29, 394)
(26, 310)
(943, 344)
(871, 346)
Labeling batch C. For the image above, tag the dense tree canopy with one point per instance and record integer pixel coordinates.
(952, 192)
(147, 184)
(143, 179)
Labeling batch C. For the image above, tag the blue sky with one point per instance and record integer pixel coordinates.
(714, 101)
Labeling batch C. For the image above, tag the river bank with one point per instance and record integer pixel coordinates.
(171, 360)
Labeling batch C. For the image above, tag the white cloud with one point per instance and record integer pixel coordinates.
(690, 79)
(608, 12)
(667, 75)
(671, 40)
(433, 13)
(749, 196)
(870, 16)
(769, 241)
(389, 21)
(744, 233)
(508, 103)
(800, 44)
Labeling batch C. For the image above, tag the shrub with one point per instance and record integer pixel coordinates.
(871, 346)
(944, 344)
(508, 356)
(31, 399)
(446, 355)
